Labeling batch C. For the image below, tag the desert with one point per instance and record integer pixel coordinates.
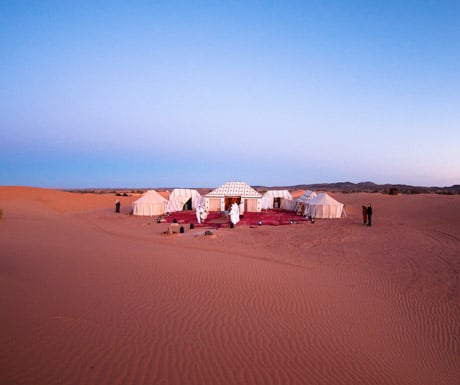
(89, 296)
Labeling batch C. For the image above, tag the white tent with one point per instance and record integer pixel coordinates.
(324, 206)
(151, 203)
(223, 197)
(179, 197)
(275, 199)
(302, 201)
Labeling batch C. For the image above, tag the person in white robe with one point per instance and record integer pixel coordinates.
(201, 214)
(235, 214)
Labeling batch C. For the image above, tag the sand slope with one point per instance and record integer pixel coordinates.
(93, 297)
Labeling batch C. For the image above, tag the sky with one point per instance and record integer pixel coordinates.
(197, 93)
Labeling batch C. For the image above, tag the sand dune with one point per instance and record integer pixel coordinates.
(93, 297)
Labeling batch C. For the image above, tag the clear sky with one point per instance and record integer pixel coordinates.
(197, 93)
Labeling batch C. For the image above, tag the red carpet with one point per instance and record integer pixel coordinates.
(216, 219)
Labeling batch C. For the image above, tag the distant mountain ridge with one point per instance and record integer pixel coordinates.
(370, 187)
(344, 187)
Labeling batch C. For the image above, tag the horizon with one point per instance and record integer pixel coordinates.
(256, 186)
(198, 93)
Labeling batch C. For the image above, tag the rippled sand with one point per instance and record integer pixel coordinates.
(93, 297)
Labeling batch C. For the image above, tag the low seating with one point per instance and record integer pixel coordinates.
(173, 228)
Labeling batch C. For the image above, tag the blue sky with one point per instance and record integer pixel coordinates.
(197, 93)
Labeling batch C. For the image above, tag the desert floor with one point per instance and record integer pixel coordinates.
(88, 296)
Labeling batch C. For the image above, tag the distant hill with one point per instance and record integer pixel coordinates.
(345, 187)
(370, 187)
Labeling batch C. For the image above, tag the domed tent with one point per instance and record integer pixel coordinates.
(323, 206)
(149, 204)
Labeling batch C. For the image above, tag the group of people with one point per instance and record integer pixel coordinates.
(367, 215)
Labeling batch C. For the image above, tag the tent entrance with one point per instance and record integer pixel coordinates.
(230, 200)
(276, 203)
(188, 204)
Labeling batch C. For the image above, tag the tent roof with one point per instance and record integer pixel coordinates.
(180, 196)
(184, 192)
(267, 199)
(235, 189)
(307, 196)
(150, 196)
(278, 194)
(324, 199)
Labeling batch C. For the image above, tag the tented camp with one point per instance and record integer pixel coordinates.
(149, 204)
(222, 198)
(183, 199)
(324, 206)
(276, 199)
(301, 202)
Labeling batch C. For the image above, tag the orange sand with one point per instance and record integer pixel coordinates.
(93, 297)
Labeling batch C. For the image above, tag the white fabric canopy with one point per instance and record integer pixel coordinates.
(180, 196)
(249, 197)
(324, 206)
(269, 196)
(234, 189)
(151, 203)
(301, 202)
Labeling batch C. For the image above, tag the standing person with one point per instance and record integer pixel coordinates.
(364, 209)
(369, 215)
(117, 206)
(198, 212)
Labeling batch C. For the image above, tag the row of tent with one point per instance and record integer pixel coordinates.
(248, 199)
(152, 203)
(311, 204)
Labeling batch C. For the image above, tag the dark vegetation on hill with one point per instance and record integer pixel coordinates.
(344, 187)
(370, 187)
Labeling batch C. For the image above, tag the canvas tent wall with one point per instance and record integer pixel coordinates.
(149, 204)
(276, 199)
(302, 201)
(222, 198)
(183, 199)
(324, 206)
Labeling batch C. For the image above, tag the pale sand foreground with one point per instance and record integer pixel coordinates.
(91, 297)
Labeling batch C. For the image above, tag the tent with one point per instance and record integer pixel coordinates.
(276, 199)
(323, 206)
(222, 198)
(151, 203)
(302, 201)
(183, 199)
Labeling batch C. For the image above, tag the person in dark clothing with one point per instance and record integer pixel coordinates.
(117, 206)
(364, 209)
(369, 215)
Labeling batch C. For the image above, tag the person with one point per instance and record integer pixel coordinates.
(200, 213)
(234, 214)
(369, 215)
(364, 209)
(117, 206)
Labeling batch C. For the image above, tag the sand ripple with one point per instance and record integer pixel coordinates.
(89, 299)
